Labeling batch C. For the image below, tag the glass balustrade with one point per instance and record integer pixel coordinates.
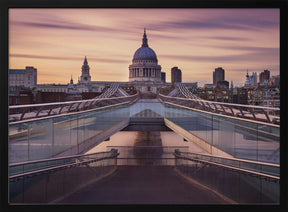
(43, 181)
(241, 180)
(37, 139)
(240, 138)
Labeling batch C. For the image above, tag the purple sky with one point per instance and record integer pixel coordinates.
(55, 41)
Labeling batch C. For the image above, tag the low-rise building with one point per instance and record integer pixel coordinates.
(216, 93)
(23, 77)
(251, 81)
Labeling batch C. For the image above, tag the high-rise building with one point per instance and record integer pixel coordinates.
(23, 77)
(218, 75)
(163, 77)
(176, 75)
(264, 76)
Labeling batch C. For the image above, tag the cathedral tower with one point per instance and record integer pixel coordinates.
(85, 77)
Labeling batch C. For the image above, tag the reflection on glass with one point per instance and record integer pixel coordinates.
(239, 138)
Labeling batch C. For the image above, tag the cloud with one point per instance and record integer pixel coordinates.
(57, 26)
(226, 38)
(67, 25)
(241, 20)
(242, 54)
(255, 54)
(264, 51)
(107, 60)
(163, 36)
(198, 25)
(249, 21)
(41, 57)
(100, 60)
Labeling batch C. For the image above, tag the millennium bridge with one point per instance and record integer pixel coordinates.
(50, 159)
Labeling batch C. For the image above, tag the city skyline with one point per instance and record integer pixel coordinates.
(55, 41)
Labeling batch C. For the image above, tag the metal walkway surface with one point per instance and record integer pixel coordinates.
(145, 185)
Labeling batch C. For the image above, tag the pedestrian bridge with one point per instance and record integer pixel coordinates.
(48, 142)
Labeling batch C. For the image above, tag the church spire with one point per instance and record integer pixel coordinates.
(144, 40)
(85, 61)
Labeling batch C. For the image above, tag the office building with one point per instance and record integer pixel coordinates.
(264, 77)
(218, 75)
(176, 75)
(163, 77)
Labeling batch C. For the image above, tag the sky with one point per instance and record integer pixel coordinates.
(55, 41)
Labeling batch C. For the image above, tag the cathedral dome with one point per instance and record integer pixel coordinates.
(144, 65)
(144, 52)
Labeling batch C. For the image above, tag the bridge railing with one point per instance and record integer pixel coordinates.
(35, 167)
(258, 113)
(64, 134)
(265, 170)
(109, 92)
(43, 181)
(32, 111)
(241, 180)
(146, 155)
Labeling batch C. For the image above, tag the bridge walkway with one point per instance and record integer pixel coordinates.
(145, 185)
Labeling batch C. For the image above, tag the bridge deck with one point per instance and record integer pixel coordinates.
(145, 185)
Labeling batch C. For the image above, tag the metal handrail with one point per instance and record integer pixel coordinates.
(54, 159)
(64, 114)
(222, 103)
(227, 116)
(236, 159)
(164, 147)
(250, 108)
(46, 107)
(232, 168)
(68, 102)
(177, 154)
(54, 168)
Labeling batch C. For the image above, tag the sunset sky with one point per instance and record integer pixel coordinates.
(55, 41)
